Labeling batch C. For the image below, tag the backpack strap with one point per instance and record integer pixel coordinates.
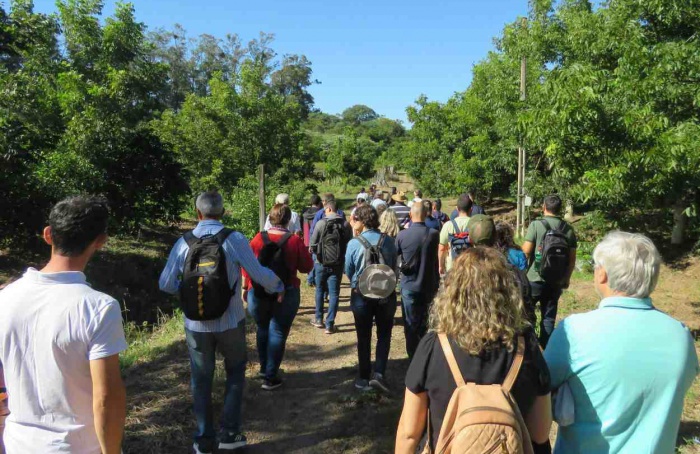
(456, 227)
(189, 238)
(284, 239)
(546, 224)
(451, 361)
(515, 367)
(265, 237)
(222, 235)
(363, 241)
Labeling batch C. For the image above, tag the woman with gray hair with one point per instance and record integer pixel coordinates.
(628, 365)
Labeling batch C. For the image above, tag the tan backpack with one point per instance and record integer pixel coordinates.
(483, 419)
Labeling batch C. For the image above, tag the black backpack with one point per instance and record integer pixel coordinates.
(205, 292)
(373, 253)
(459, 241)
(554, 250)
(525, 289)
(272, 256)
(332, 247)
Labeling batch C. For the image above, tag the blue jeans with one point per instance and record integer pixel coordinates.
(367, 311)
(202, 348)
(327, 278)
(548, 297)
(415, 307)
(274, 321)
(311, 277)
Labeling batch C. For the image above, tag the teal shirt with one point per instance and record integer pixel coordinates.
(629, 367)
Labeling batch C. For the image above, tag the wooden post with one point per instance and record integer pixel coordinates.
(519, 200)
(261, 196)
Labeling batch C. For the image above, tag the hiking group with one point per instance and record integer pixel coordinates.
(480, 379)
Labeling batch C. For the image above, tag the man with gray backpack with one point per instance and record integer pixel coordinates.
(370, 265)
(550, 245)
(329, 243)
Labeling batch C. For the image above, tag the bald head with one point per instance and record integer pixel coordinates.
(418, 212)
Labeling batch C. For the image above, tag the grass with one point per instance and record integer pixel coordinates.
(147, 345)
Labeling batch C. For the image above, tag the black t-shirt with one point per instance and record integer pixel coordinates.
(429, 372)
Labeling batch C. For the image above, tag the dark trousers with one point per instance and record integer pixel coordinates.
(415, 307)
(273, 320)
(367, 311)
(548, 297)
(327, 284)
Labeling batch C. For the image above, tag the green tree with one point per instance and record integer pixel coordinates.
(359, 113)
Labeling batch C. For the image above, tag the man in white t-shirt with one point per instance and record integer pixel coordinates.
(60, 342)
(294, 223)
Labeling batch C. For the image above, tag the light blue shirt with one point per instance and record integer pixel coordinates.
(629, 367)
(238, 254)
(355, 255)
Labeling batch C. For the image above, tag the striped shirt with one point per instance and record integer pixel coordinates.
(402, 213)
(238, 255)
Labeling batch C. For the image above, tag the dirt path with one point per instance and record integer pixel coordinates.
(317, 410)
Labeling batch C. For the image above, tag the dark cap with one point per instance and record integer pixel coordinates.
(482, 230)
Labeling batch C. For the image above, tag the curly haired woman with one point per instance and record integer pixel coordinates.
(480, 310)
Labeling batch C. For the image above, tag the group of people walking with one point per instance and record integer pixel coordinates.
(468, 298)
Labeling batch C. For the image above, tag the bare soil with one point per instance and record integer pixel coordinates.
(317, 410)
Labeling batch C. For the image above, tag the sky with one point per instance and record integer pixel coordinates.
(381, 53)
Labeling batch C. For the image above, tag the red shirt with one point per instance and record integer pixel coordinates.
(298, 257)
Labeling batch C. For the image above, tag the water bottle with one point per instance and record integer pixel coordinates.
(538, 259)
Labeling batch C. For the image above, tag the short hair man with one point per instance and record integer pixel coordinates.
(294, 222)
(461, 222)
(322, 213)
(226, 334)
(420, 278)
(628, 366)
(547, 294)
(60, 342)
(475, 209)
(329, 275)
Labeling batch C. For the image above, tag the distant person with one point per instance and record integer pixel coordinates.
(551, 262)
(329, 244)
(476, 209)
(307, 217)
(294, 223)
(370, 308)
(394, 191)
(362, 195)
(484, 331)
(285, 254)
(430, 221)
(60, 342)
(417, 197)
(441, 217)
(450, 243)
(378, 200)
(215, 322)
(417, 247)
(358, 203)
(381, 209)
(322, 213)
(389, 224)
(399, 207)
(628, 365)
(506, 244)
(308, 214)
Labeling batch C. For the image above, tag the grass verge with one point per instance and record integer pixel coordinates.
(147, 345)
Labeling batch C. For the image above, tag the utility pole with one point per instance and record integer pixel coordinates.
(522, 161)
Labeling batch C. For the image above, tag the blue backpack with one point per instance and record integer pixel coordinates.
(459, 241)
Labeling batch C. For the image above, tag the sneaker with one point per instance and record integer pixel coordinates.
(203, 447)
(377, 382)
(331, 329)
(362, 384)
(231, 440)
(272, 384)
(317, 323)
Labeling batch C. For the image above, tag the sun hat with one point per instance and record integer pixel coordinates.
(400, 197)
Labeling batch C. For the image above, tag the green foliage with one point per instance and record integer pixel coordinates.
(351, 159)
(359, 113)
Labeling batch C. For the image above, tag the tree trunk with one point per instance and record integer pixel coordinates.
(679, 222)
(569, 211)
